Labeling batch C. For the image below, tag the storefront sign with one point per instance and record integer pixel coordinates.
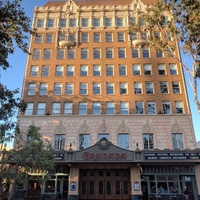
(136, 186)
(58, 156)
(73, 186)
(104, 156)
(172, 156)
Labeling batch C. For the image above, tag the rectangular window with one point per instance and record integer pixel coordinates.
(38, 38)
(122, 70)
(148, 141)
(84, 141)
(62, 36)
(123, 88)
(96, 53)
(96, 88)
(109, 37)
(59, 70)
(149, 88)
(109, 70)
(84, 70)
(84, 53)
(49, 38)
(135, 53)
(132, 21)
(63, 23)
(85, 37)
(120, 37)
(109, 52)
(43, 89)
(136, 69)
(145, 52)
(124, 108)
(60, 54)
(55, 108)
(96, 22)
(45, 70)
(168, 35)
(175, 87)
(177, 139)
(147, 69)
(96, 70)
(72, 37)
(123, 140)
(36, 54)
(139, 107)
(166, 107)
(29, 109)
(57, 89)
(83, 88)
(157, 35)
(68, 108)
(96, 108)
(109, 88)
(50, 23)
(34, 71)
(59, 142)
(121, 53)
(71, 54)
(164, 87)
(119, 21)
(31, 88)
(82, 108)
(41, 108)
(97, 37)
(69, 88)
(159, 54)
(110, 108)
(179, 107)
(142, 21)
(72, 22)
(161, 69)
(173, 69)
(70, 70)
(47, 54)
(85, 22)
(151, 107)
(137, 88)
(40, 23)
(108, 21)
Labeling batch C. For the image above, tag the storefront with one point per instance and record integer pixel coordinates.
(105, 171)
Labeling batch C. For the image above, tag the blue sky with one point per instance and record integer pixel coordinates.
(13, 77)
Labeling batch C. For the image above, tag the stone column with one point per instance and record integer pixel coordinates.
(135, 183)
(197, 174)
(73, 190)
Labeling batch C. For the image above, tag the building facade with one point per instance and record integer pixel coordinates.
(115, 111)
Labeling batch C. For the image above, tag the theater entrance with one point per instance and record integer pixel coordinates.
(105, 184)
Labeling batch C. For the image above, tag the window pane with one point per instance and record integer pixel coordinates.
(177, 139)
(151, 107)
(124, 108)
(82, 108)
(68, 108)
(110, 108)
(96, 108)
(41, 108)
(84, 141)
(96, 70)
(136, 69)
(148, 141)
(59, 142)
(164, 87)
(29, 109)
(56, 109)
(139, 107)
(70, 70)
(123, 140)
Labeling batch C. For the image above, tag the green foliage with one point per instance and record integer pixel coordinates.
(31, 155)
(14, 26)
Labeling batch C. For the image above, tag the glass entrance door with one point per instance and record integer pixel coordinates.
(104, 184)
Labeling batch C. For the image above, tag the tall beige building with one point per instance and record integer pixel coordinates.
(115, 111)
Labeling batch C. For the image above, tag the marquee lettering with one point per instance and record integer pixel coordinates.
(103, 156)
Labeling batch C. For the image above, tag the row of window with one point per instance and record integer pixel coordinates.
(110, 88)
(97, 37)
(137, 70)
(123, 140)
(110, 108)
(97, 53)
(88, 22)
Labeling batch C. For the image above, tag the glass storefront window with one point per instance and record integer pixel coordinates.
(50, 186)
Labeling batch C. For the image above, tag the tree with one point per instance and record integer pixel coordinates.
(182, 24)
(14, 32)
(31, 155)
